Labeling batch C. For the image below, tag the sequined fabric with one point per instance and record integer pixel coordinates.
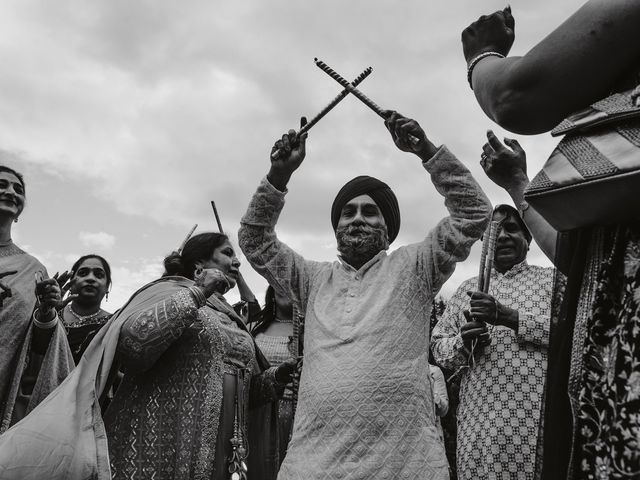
(163, 421)
(365, 403)
(501, 393)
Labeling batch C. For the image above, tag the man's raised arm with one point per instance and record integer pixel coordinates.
(284, 269)
(468, 206)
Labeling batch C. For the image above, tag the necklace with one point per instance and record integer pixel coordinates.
(84, 319)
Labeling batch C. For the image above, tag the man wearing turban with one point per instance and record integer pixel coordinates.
(365, 405)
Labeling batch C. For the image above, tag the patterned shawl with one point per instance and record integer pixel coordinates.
(64, 437)
(17, 302)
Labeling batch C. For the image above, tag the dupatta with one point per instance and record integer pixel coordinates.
(64, 437)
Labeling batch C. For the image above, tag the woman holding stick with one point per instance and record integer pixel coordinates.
(34, 356)
(593, 380)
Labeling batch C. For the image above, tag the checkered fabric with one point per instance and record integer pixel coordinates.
(501, 393)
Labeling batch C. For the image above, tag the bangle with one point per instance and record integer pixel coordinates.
(47, 324)
(474, 61)
(198, 295)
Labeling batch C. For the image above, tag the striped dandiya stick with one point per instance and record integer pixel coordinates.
(358, 94)
(489, 255)
(367, 71)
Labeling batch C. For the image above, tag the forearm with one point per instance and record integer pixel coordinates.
(449, 352)
(469, 212)
(264, 388)
(541, 230)
(147, 334)
(283, 268)
(533, 93)
(43, 329)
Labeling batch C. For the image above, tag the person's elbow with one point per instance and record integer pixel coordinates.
(521, 112)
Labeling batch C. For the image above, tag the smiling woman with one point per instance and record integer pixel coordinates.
(34, 357)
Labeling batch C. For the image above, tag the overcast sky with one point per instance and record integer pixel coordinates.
(128, 117)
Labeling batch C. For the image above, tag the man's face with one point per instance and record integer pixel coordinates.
(362, 231)
(511, 243)
(361, 210)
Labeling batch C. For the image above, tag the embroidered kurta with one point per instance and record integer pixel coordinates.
(501, 393)
(167, 416)
(365, 406)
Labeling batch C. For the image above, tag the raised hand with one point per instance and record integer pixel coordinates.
(291, 150)
(49, 296)
(490, 33)
(505, 165)
(65, 283)
(400, 127)
(211, 280)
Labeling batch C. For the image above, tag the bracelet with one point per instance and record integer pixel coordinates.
(47, 324)
(523, 207)
(198, 295)
(474, 61)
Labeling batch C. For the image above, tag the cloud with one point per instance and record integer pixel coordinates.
(97, 240)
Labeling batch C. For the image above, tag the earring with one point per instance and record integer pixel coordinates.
(15, 220)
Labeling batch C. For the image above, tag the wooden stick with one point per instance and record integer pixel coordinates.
(491, 252)
(186, 239)
(215, 212)
(329, 107)
(357, 93)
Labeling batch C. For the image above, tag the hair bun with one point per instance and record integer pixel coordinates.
(173, 264)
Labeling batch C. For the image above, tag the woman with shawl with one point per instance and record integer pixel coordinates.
(34, 356)
(192, 372)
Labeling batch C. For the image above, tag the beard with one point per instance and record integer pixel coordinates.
(359, 243)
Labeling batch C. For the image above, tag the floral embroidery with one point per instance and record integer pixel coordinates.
(608, 443)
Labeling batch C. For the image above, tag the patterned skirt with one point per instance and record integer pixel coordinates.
(607, 430)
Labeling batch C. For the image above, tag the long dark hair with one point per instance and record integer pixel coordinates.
(268, 312)
(105, 265)
(198, 248)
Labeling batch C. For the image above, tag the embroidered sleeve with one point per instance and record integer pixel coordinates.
(147, 333)
(469, 212)
(446, 342)
(283, 268)
(264, 388)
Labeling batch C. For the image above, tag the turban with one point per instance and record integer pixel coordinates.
(380, 193)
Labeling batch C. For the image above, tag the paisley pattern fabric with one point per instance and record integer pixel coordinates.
(501, 390)
(164, 419)
(608, 422)
(365, 406)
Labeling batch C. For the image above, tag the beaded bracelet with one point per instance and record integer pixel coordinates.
(474, 61)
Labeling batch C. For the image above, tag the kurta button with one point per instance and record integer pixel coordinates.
(348, 310)
(352, 294)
